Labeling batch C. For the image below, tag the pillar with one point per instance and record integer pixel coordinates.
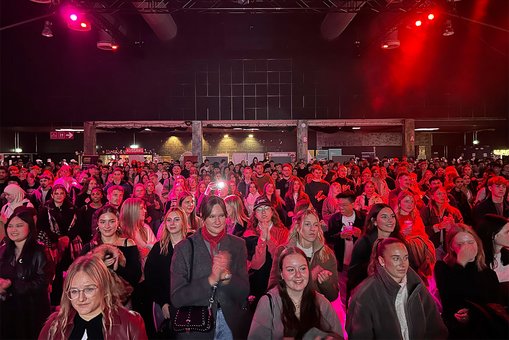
(89, 139)
(302, 140)
(409, 138)
(197, 141)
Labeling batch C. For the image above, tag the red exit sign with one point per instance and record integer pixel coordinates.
(61, 135)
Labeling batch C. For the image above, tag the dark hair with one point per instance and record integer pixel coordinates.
(208, 203)
(309, 310)
(27, 215)
(348, 194)
(108, 208)
(193, 223)
(490, 225)
(369, 226)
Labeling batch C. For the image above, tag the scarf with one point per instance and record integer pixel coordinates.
(213, 240)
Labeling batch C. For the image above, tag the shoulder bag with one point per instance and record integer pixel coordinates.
(194, 318)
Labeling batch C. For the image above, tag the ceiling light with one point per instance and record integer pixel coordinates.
(70, 130)
(250, 135)
(448, 29)
(18, 150)
(147, 129)
(106, 41)
(356, 128)
(46, 31)
(427, 129)
(226, 136)
(391, 41)
(134, 146)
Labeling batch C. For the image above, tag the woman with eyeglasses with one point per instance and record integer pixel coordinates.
(91, 308)
(25, 275)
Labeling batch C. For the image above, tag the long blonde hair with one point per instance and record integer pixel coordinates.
(325, 252)
(238, 214)
(130, 220)
(166, 236)
(94, 267)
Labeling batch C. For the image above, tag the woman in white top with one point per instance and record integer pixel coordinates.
(251, 197)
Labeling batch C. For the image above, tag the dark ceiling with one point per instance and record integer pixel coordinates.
(67, 80)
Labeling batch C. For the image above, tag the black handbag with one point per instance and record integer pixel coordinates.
(194, 318)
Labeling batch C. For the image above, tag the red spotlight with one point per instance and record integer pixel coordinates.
(418, 23)
(83, 25)
(431, 16)
(73, 17)
(76, 20)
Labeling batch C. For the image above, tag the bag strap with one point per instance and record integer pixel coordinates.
(214, 288)
(271, 312)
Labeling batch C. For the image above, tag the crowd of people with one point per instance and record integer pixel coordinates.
(406, 249)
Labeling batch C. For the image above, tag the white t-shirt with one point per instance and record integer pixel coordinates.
(501, 270)
(347, 222)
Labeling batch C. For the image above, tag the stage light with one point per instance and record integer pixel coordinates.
(250, 135)
(225, 136)
(73, 17)
(46, 31)
(76, 20)
(431, 16)
(418, 23)
(391, 41)
(106, 41)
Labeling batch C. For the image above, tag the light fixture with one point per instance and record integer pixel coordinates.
(147, 129)
(69, 130)
(427, 129)
(475, 140)
(18, 150)
(356, 127)
(106, 41)
(448, 29)
(226, 136)
(250, 135)
(134, 145)
(391, 41)
(42, 1)
(46, 31)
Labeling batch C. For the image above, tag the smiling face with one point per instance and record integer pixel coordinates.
(295, 272)
(17, 230)
(385, 221)
(88, 301)
(395, 261)
(107, 224)
(216, 221)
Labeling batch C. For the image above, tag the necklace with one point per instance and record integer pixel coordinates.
(296, 304)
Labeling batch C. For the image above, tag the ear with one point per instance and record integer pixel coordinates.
(381, 261)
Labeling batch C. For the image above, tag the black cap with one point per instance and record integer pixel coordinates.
(261, 201)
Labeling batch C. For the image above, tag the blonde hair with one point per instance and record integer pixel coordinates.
(451, 258)
(166, 236)
(325, 252)
(130, 220)
(238, 215)
(95, 268)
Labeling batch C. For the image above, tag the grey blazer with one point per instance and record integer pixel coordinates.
(232, 297)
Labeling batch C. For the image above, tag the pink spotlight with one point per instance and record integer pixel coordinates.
(73, 17)
(83, 24)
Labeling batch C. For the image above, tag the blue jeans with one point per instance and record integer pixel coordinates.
(222, 331)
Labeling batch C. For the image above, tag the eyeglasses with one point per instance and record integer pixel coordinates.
(74, 293)
(263, 208)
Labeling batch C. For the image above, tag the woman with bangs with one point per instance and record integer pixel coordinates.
(26, 271)
(293, 309)
(307, 235)
(90, 307)
(157, 268)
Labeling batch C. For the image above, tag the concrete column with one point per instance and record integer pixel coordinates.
(89, 139)
(197, 141)
(302, 140)
(409, 138)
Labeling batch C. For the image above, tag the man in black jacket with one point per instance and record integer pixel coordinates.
(343, 230)
(494, 203)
